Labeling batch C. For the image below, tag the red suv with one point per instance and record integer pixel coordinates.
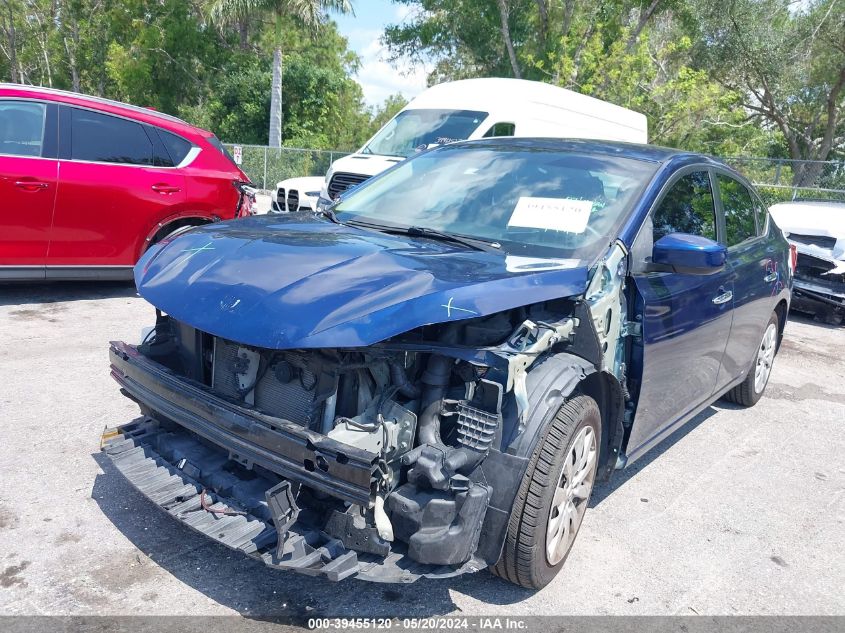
(88, 184)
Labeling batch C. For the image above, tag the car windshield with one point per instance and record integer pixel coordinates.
(413, 130)
(534, 200)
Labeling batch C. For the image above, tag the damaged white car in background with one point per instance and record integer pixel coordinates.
(817, 229)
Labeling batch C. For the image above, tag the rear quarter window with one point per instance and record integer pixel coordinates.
(217, 144)
(176, 146)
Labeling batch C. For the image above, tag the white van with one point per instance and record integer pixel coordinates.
(477, 108)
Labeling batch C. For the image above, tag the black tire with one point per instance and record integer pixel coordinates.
(163, 235)
(523, 561)
(745, 393)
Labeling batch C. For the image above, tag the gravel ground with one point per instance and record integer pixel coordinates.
(741, 512)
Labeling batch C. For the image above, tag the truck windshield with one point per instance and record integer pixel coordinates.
(413, 130)
(530, 199)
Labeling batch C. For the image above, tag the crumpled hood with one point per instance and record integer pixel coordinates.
(813, 219)
(300, 281)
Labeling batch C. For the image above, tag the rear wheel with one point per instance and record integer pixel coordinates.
(750, 390)
(553, 496)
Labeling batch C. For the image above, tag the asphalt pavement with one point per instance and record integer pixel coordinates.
(740, 512)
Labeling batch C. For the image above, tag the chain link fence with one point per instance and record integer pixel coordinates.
(777, 179)
(266, 166)
(780, 179)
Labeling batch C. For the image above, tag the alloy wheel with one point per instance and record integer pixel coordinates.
(571, 494)
(765, 358)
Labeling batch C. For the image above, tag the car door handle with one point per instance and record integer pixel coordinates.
(771, 277)
(163, 188)
(31, 185)
(723, 298)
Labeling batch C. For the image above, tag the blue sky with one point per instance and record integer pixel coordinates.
(377, 76)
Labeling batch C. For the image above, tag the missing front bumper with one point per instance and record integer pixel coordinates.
(215, 466)
(250, 437)
(175, 470)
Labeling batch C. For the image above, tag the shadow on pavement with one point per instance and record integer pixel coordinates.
(809, 319)
(255, 590)
(618, 479)
(23, 293)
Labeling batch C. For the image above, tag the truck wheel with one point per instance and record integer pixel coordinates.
(750, 390)
(553, 496)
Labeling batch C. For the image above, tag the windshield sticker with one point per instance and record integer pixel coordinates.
(556, 214)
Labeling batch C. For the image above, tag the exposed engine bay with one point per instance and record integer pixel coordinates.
(388, 462)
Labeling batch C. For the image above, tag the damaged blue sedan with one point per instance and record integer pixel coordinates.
(428, 376)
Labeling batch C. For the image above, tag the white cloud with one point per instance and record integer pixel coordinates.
(379, 78)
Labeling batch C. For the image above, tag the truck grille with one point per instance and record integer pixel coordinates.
(342, 181)
(288, 394)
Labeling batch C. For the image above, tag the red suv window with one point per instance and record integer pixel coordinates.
(108, 139)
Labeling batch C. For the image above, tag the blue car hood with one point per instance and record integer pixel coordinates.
(301, 281)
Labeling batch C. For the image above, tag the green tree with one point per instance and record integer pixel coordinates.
(386, 111)
(786, 61)
(323, 108)
(310, 13)
(636, 53)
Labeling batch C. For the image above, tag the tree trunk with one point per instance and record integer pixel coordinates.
(243, 33)
(506, 35)
(11, 36)
(276, 101)
(71, 47)
(645, 16)
(807, 174)
(544, 20)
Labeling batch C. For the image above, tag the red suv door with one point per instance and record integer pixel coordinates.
(112, 191)
(28, 178)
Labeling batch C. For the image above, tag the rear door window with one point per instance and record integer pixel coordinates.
(22, 128)
(687, 208)
(108, 139)
(738, 205)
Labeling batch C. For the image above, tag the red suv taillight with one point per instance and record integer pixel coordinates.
(246, 199)
(793, 258)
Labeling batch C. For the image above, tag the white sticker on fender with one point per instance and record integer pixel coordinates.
(556, 214)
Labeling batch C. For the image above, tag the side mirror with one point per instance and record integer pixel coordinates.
(690, 254)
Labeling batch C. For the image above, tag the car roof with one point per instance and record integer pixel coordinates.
(146, 115)
(636, 151)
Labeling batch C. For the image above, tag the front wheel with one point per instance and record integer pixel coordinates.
(750, 390)
(553, 496)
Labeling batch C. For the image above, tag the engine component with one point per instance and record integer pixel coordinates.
(383, 525)
(436, 463)
(440, 528)
(476, 427)
(351, 529)
(389, 433)
(400, 380)
(286, 389)
(245, 367)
